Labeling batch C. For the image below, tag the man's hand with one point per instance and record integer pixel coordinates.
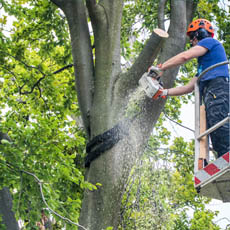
(164, 93)
(161, 93)
(161, 70)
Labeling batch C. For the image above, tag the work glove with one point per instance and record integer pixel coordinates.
(161, 93)
(164, 92)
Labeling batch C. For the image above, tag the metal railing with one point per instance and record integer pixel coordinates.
(198, 135)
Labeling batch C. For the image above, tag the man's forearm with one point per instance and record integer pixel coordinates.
(174, 61)
(183, 57)
(178, 91)
(181, 90)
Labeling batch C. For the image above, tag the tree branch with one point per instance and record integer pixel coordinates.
(106, 22)
(82, 54)
(22, 62)
(91, 5)
(97, 14)
(177, 40)
(143, 62)
(181, 11)
(191, 8)
(148, 54)
(57, 2)
(63, 68)
(32, 67)
(161, 14)
(40, 79)
(33, 87)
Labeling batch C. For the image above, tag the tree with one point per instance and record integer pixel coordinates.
(8, 216)
(104, 90)
(36, 97)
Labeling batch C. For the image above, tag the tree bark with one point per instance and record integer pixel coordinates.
(104, 93)
(8, 217)
(82, 55)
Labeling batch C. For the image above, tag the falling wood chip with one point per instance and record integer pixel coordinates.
(161, 33)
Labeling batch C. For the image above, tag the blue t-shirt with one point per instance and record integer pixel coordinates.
(214, 55)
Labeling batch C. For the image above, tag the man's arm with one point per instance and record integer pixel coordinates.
(181, 90)
(183, 57)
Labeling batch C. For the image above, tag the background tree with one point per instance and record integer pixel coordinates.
(37, 101)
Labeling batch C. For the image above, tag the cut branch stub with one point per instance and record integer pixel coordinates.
(161, 33)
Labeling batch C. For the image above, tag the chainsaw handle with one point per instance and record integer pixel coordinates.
(158, 94)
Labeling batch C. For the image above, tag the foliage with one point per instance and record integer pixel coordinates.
(38, 108)
(218, 12)
(138, 21)
(2, 226)
(160, 191)
(202, 220)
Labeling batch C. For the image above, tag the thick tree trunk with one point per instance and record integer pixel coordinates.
(8, 217)
(106, 93)
(101, 208)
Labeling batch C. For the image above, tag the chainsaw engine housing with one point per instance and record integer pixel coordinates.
(150, 85)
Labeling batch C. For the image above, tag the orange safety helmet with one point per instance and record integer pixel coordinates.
(200, 23)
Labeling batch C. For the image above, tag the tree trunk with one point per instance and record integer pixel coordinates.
(104, 94)
(8, 217)
(6, 213)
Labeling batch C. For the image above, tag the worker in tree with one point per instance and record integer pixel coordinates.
(214, 85)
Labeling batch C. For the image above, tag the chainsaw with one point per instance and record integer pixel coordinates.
(150, 82)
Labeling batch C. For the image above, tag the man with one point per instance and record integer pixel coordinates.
(214, 85)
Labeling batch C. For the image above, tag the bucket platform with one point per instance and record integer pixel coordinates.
(211, 179)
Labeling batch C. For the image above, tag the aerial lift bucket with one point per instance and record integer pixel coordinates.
(212, 179)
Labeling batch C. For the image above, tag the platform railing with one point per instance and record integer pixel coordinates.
(199, 136)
